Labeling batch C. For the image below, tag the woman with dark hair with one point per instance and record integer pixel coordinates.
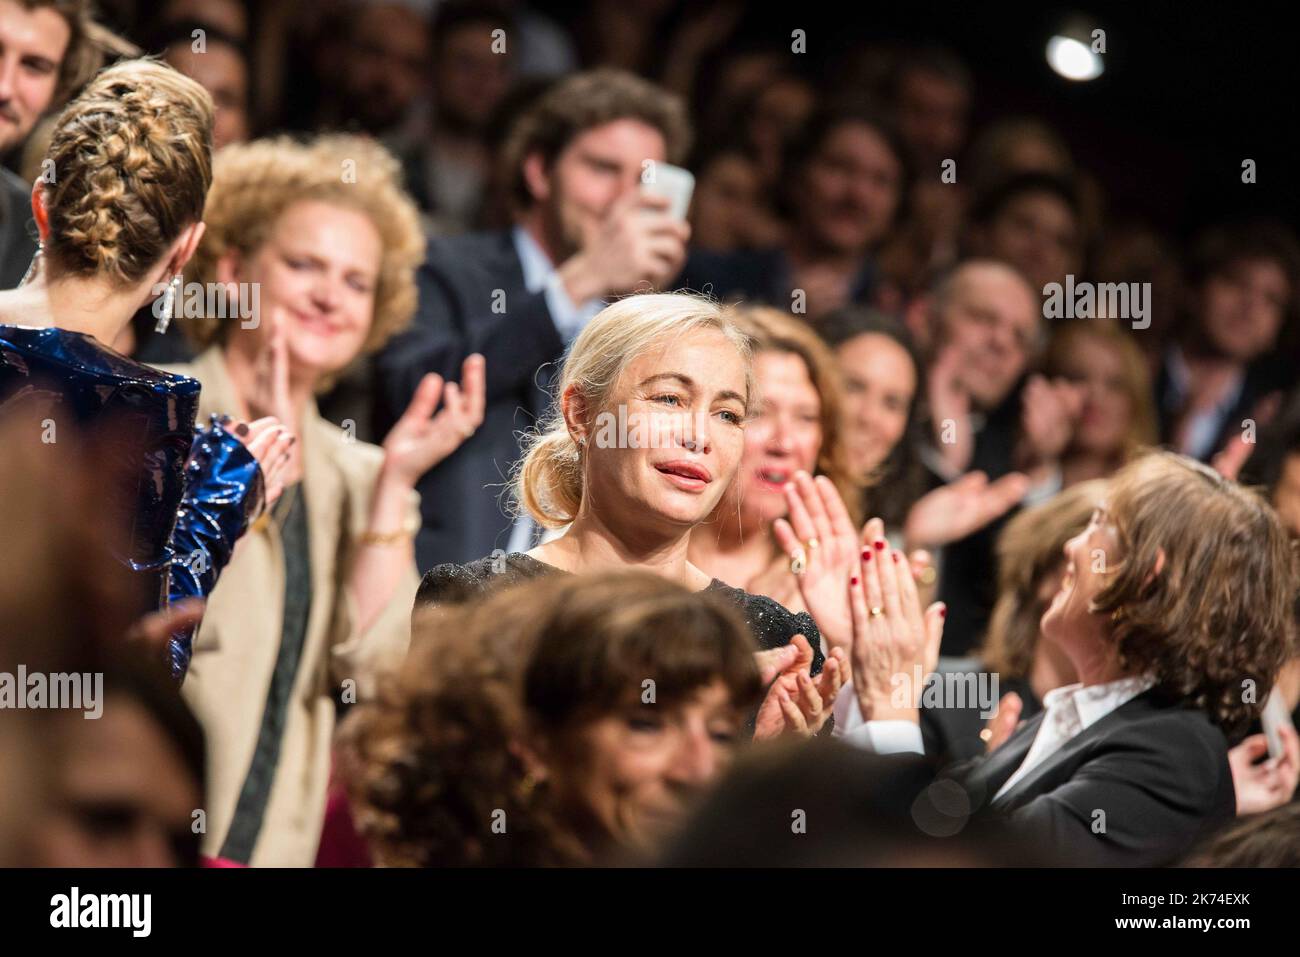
(118, 222)
(567, 720)
(1129, 766)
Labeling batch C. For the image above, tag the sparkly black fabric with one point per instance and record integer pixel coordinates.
(769, 621)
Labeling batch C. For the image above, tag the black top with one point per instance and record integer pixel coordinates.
(770, 622)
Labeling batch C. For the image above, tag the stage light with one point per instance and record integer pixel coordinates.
(1073, 52)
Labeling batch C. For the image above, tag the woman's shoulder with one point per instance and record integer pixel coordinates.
(451, 583)
(772, 623)
(85, 355)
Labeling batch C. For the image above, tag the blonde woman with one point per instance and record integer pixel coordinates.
(118, 220)
(321, 591)
(645, 439)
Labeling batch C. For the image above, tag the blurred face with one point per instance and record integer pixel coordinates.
(779, 111)
(991, 319)
(1243, 308)
(685, 402)
(852, 190)
(1107, 416)
(32, 45)
(782, 436)
(1286, 498)
(932, 115)
(638, 771)
(1038, 234)
(469, 79)
(122, 795)
(388, 64)
(1068, 620)
(879, 385)
(319, 267)
(220, 71)
(725, 203)
(601, 165)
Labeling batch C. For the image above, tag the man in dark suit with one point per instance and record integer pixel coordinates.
(583, 231)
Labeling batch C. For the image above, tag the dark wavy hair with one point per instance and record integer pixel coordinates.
(1215, 624)
(435, 760)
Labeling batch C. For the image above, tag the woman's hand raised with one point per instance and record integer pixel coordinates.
(421, 439)
(895, 645)
(796, 702)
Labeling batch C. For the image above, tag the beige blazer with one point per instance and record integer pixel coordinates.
(237, 643)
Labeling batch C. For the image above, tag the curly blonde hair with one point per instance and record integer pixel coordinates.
(132, 162)
(255, 183)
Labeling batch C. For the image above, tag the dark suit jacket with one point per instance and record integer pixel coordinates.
(755, 276)
(1269, 373)
(472, 299)
(16, 245)
(1157, 772)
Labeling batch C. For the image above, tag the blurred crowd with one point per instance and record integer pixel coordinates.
(950, 327)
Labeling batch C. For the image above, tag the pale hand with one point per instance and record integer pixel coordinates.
(951, 512)
(796, 702)
(421, 439)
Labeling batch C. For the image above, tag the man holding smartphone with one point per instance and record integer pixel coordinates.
(585, 228)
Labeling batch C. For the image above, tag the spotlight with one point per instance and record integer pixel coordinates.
(1071, 51)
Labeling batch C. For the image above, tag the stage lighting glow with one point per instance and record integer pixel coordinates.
(1073, 59)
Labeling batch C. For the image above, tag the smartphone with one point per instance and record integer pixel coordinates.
(673, 182)
(1272, 718)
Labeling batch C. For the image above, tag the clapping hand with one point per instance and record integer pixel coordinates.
(951, 512)
(796, 702)
(421, 439)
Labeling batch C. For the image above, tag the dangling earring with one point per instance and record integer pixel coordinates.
(168, 310)
(35, 266)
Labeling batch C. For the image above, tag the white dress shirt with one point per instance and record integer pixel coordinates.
(1067, 711)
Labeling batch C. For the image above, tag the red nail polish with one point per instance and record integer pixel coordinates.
(866, 556)
(853, 580)
(943, 612)
(894, 556)
(880, 544)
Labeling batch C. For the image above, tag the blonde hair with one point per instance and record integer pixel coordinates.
(132, 159)
(1142, 431)
(255, 183)
(548, 478)
(773, 330)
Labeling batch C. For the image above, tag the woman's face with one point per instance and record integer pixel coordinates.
(668, 444)
(879, 385)
(1107, 408)
(638, 770)
(1089, 558)
(783, 435)
(317, 270)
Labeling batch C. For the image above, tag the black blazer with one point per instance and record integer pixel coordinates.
(1141, 787)
(472, 299)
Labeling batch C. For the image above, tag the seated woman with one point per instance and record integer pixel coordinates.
(117, 222)
(795, 428)
(645, 439)
(322, 589)
(566, 720)
(1129, 766)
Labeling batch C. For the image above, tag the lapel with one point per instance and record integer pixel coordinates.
(993, 772)
(1025, 787)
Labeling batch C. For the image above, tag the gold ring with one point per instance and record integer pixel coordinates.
(798, 562)
(813, 544)
(876, 611)
(928, 575)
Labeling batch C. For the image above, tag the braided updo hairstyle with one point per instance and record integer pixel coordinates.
(132, 162)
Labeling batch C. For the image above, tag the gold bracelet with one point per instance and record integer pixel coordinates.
(392, 538)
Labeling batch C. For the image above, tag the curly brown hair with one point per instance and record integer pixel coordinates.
(132, 161)
(255, 183)
(1217, 622)
(435, 761)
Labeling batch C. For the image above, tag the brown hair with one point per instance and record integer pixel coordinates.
(1271, 839)
(431, 761)
(1031, 547)
(255, 183)
(1216, 624)
(1137, 378)
(90, 44)
(584, 101)
(775, 331)
(132, 160)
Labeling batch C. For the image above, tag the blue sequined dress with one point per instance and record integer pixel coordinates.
(191, 492)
